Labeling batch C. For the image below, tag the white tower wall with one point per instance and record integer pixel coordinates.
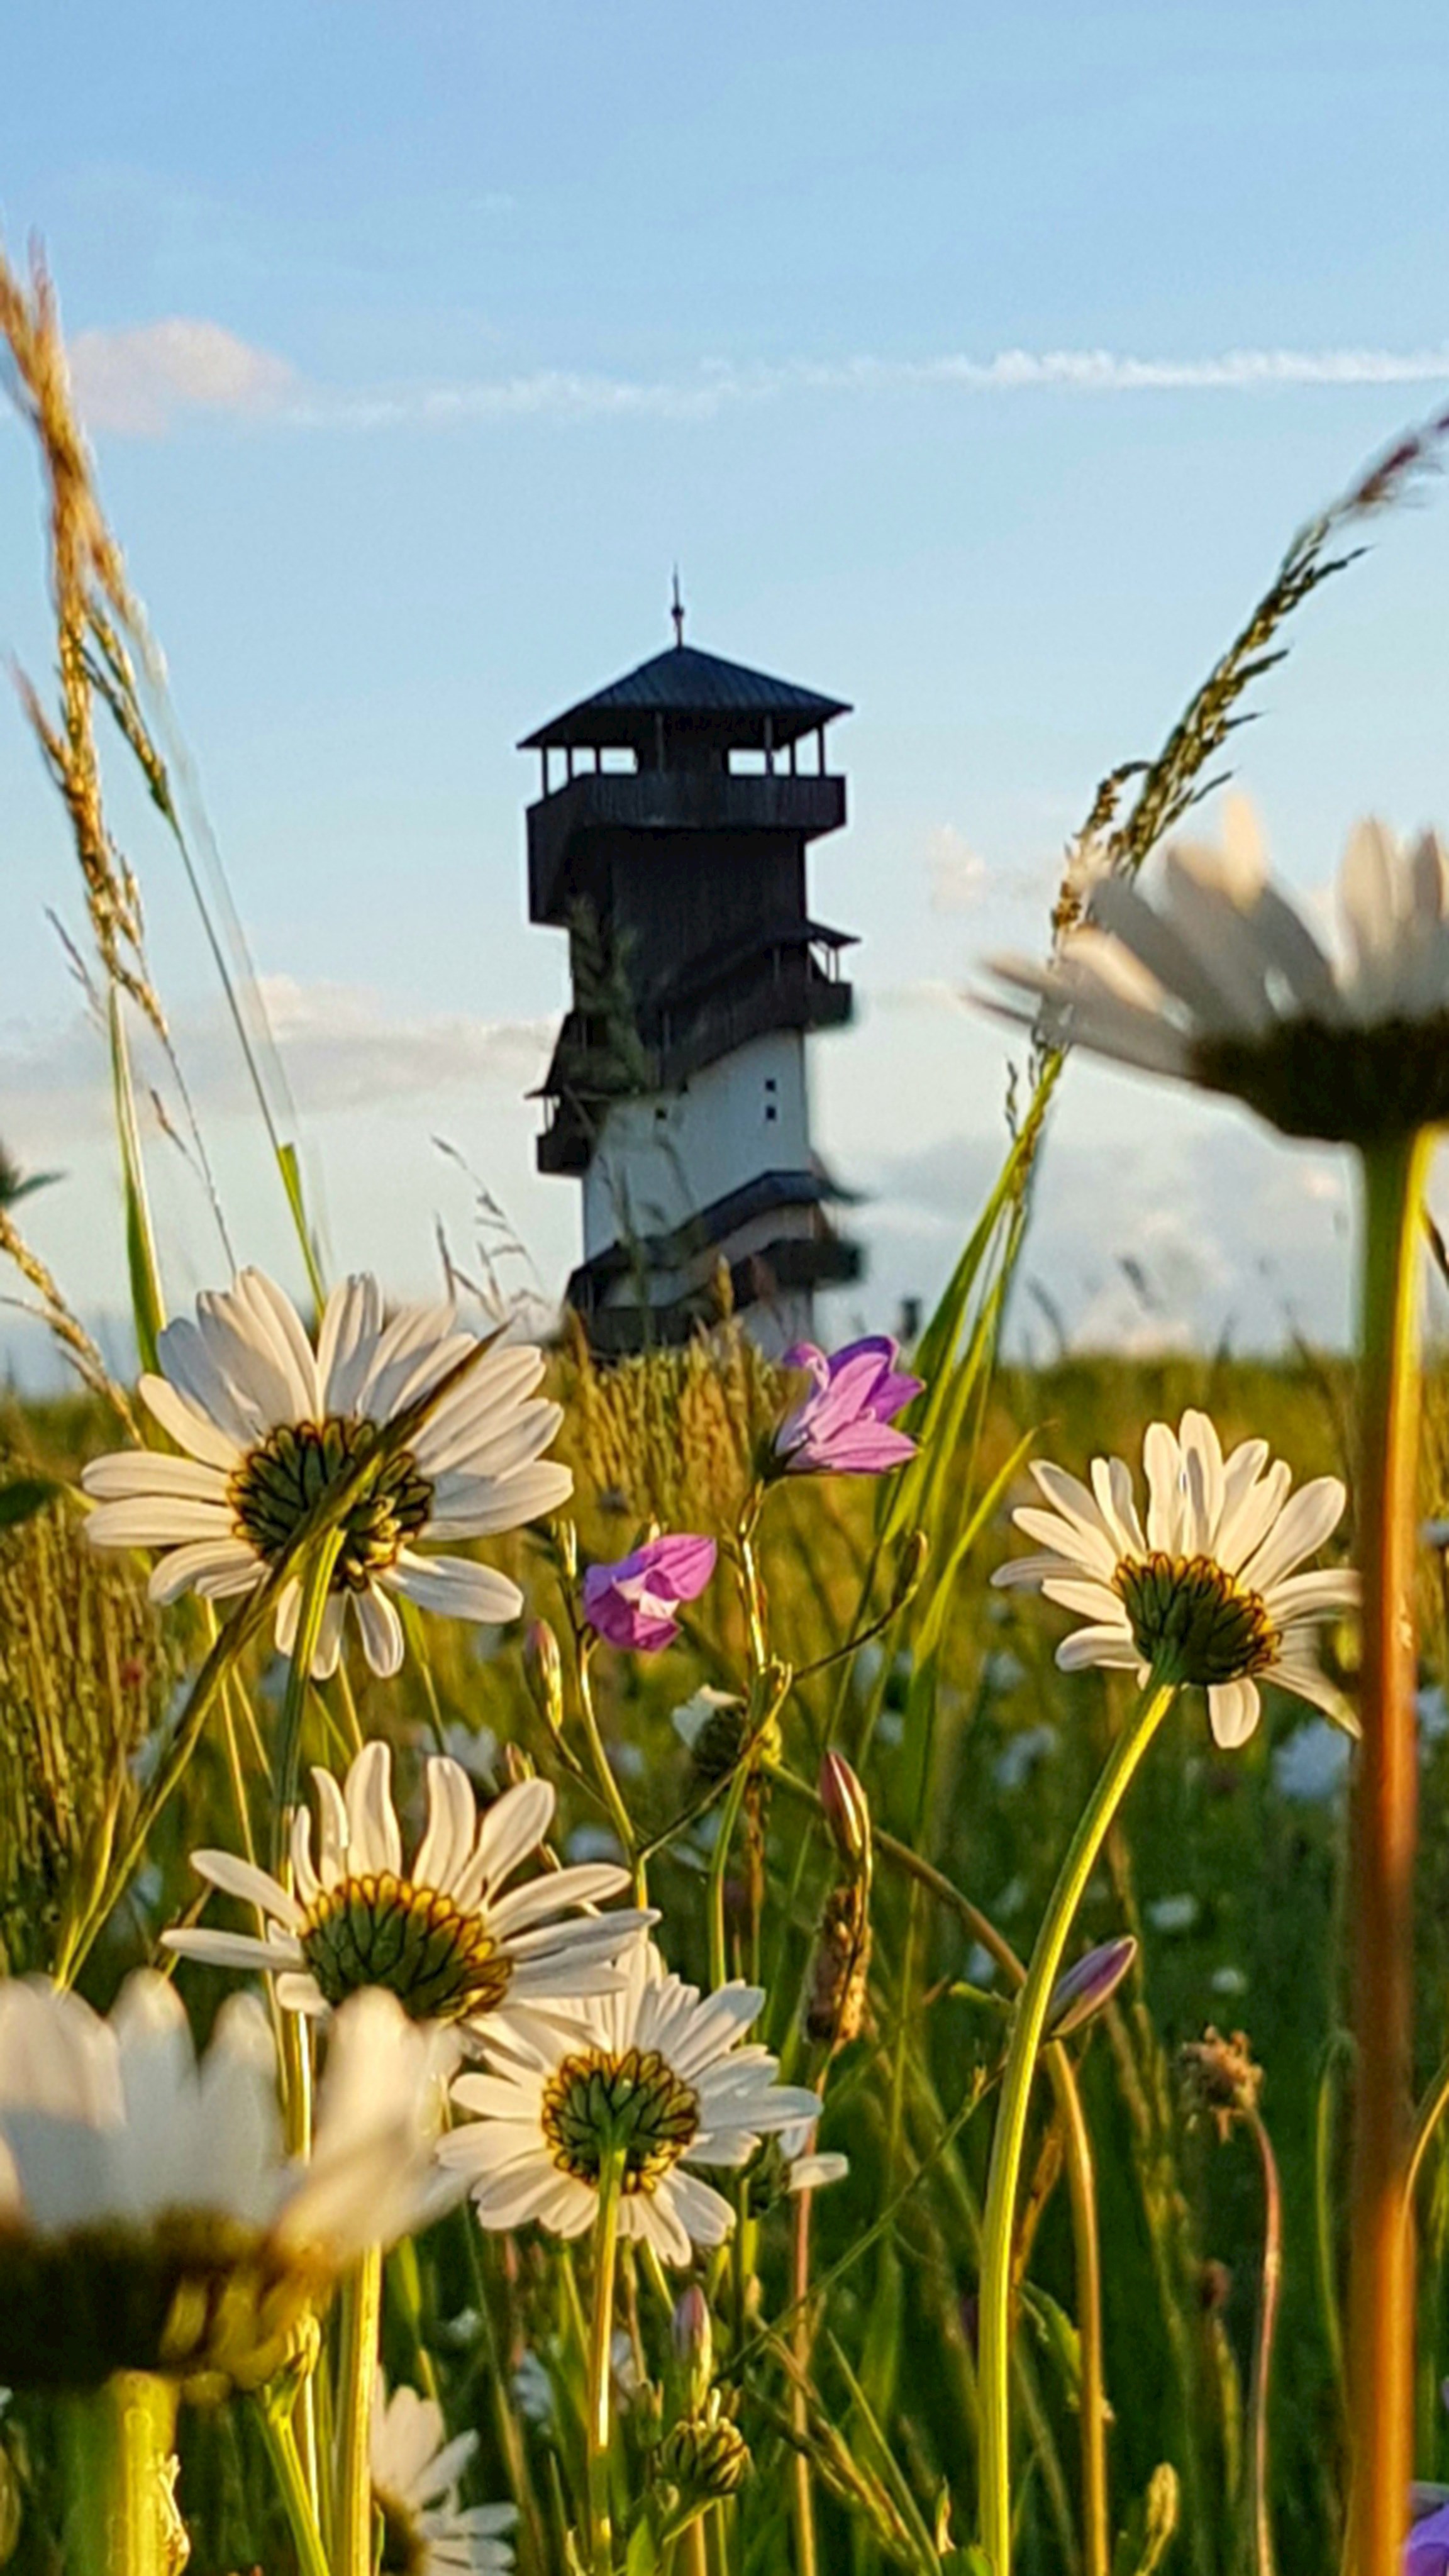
(660, 1159)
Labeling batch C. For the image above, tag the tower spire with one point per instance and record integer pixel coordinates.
(677, 610)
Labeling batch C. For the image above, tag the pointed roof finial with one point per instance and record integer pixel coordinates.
(677, 611)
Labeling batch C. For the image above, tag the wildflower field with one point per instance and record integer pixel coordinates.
(706, 1965)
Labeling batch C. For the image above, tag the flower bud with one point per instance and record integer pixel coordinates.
(910, 1566)
(705, 2456)
(715, 1728)
(692, 2336)
(543, 1672)
(846, 1813)
(1081, 1991)
(1221, 2080)
(835, 2004)
(515, 1765)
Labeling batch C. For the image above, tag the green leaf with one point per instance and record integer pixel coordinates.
(24, 1497)
(641, 2558)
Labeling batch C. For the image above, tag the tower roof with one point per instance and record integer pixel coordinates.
(704, 690)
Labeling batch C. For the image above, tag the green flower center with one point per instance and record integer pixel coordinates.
(1191, 1621)
(1348, 1085)
(383, 1931)
(597, 2103)
(280, 1481)
(404, 2549)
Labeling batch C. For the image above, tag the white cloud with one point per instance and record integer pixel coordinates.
(339, 1049)
(719, 384)
(957, 873)
(1182, 1228)
(138, 383)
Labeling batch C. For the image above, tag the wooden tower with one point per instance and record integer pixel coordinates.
(672, 849)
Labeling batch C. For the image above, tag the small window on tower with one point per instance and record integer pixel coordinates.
(660, 1115)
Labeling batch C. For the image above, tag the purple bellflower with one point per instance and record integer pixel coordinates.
(1426, 2551)
(633, 1603)
(842, 1427)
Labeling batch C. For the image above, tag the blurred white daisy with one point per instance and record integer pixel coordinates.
(415, 2473)
(657, 2071)
(149, 2219)
(1208, 1595)
(1221, 982)
(807, 2168)
(437, 1933)
(267, 1423)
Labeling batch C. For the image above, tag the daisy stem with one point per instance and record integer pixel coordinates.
(1382, 1835)
(361, 2330)
(286, 2459)
(1009, 2136)
(316, 1584)
(121, 2517)
(601, 2342)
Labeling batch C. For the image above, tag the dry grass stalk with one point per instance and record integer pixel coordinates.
(92, 602)
(1173, 782)
(671, 1436)
(84, 1675)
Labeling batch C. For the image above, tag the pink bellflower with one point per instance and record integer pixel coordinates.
(843, 1425)
(633, 1603)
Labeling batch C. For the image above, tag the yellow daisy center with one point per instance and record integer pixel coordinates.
(382, 1931)
(1193, 1622)
(599, 2102)
(280, 1481)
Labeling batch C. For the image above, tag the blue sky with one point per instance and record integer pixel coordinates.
(418, 344)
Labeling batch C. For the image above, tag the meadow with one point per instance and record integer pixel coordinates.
(840, 1765)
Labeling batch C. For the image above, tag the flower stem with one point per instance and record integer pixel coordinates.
(601, 2344)
(718, 1865)
(286, 2459)
(120, 2516)
(1381, 2254)
(609, 1789)
(806, 2562)
(316, 1583)
(361, 2326)
(1262, 2524)
(1009, 2137)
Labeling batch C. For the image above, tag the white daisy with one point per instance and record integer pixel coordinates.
(1208, 1596)
(266, 1422)
(437, 1933)
(659, 2071)
(1221, 982)
(148, 2217)
(415, 2473)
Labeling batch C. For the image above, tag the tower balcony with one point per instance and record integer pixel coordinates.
(668, 800)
